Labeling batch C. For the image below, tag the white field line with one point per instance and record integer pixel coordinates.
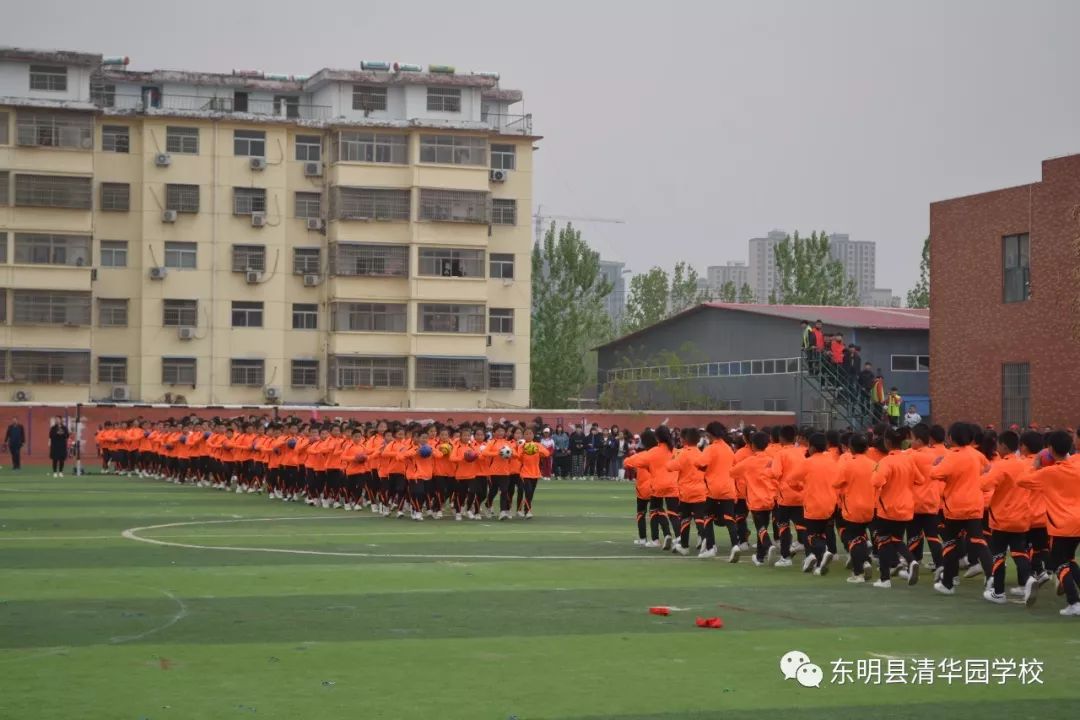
(180, 614)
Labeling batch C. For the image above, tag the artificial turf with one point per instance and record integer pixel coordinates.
(368, 617)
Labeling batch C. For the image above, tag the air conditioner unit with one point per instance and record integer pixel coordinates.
(271, 393)
(158, 273)
(186, 333)
(168, 216)
(21, 396)
(499, 175)
(311, 280)
(163, 159)
(251, 277)
(120, 392)
(314, 223)
(313, 169)
(258, 163)
(258, 219)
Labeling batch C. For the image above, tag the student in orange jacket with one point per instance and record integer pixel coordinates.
(500, 453)
(742, 512)
(642, 490)
(789, 503)
(1010, 519)
(1031, 443)
(443, 469)
(927, 444)
(1058, 479)
(422, 469)
(754, 473)
(895, 478)
(659, 446)
(716, 460)
(530, 454)
(466, 458)
(857, 496)
(692, 495)
(814, 478)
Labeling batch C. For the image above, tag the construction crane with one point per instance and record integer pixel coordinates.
(541, 216)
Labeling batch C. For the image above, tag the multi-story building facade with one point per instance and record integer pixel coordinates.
(357, 237)
(860, 264)
(762, 270)
(736, 273)
(615, 303)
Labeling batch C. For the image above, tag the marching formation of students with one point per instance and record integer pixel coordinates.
(391, 468)
(973, 497)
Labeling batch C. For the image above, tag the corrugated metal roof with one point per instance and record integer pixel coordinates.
(883, 318)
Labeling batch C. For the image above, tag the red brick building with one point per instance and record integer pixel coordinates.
(1005, 302)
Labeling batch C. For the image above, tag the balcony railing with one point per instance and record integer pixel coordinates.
(168, 101)
(509, 124)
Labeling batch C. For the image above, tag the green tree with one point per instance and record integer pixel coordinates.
(919, 296)
(676, 381)
(684, 289)
(728, 293)
(646, 300)
(746, 294)
(807, 275)
(568, 317)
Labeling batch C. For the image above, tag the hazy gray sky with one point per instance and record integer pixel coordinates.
(699, 124)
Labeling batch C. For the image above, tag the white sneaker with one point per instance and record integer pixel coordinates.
(503, 515)
(680, 550)
(1042, 578)
(993, 597)
(757, 563)
(797, 547)
(883, 584)
(437, 516)
(239, 490)
(964, 564)
(710, 553)
(1030, 591)
(744, 547)
(326, 502)
(376, 508)
(856, 579)
(940, 587)
(668, 542)
(770, 556)
(652, 544)
(477, 516)
(521, 514)
(1071, 610)
(400, 514)
(418, 517)
(973, 570)
(336, 504)
(733, 556)
(809, 563)
(913, 573)
(457, 517)
(529, 515)
(1017, 591)
(782, 562)
(640, 542)
(823, 568)
(469, 514)
(903, 575)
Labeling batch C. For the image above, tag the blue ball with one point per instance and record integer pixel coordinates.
(291, 443)
(206, 435)
(425, 451)
(183, 439)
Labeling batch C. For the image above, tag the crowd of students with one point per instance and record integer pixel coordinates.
(971, 496)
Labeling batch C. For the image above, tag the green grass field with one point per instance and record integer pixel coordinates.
(324, 614)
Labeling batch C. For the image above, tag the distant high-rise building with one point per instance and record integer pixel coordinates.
(858, 258)
(880, 297)
(736, 273)
(615, 303)
(762, 270)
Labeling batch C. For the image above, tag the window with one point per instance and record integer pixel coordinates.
(454, 206)
(368, 98)
(115, 196)
(504, 212)
(444, 99)
(728, 404)
(53, 191)
(180, 313)
(308, 205)
(501, 376)
(304, 374)
(248, 373)
(102, 94)
(249, 143)
(910, 363)
(247, 314)
(368, 317)
(368, 372)
(249, 200)
(48, 77)
(112, 370)
(34, 249)
(5, 188)
(450, 373)
(51, 307)
(308, 148)
(240, 101)
(503, 157)
(439, 318)
(501, 321)
(112, 313)
(305, 316)
(182, 140)
(501, 266)
(1016, 250)
(348, 203)
(61, 130)
(42, 367)
(291, 105)
(451, 262)
(248, 258)
(178, 371)
(775, 404)
(306, 261)
(3, 253)
(354, 259)
(181, 255)
(453, 150)
(114, 253)
(372, 147)
(115, 138)
(1015, 394)
(4, 128)
(182, 198)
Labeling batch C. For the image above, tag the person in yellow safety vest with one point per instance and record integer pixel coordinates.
(877, 396)
(895, 406)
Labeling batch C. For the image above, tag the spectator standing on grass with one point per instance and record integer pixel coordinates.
(578, 441)
(15, 438)
(58, 446)
(594, 443)
(547, 462)
(626, 448)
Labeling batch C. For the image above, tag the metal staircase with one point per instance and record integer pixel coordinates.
(846, 403)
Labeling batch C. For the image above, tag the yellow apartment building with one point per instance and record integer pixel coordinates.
(353, 237)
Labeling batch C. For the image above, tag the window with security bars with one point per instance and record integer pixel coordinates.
(446, 318)
(48, 77)
(453, 150)
(451, 262)
(4, 140)
(3, 248)
(102, 94)
(450, 373)
(368, 98)
(304, 374)
(182, 198)
(1016, 394)
(372, 147)
(359, 260)
(50, 307)
(308, 148)
(249, 143)
(305, 316)
(247, 314)
(443, 99)
(54, 129)
(42, 249)
(5, 188)
(503, 212)
(181, 255)
(249, 200)
(911, 363)
(112, 370)
(53, 191)
(464, 206)
(501, 321)
(44, 367)
(501, 266)
(368, 317)
(115, 138)
(775, 404)
(180, 313)
(248, 258)
(112, 312)
(3, 312)
(247, 373)
(501, 376)
(178, 371)
(182, 140)
(1016, 260)
(503, 157)
(115, 196)
(307, 261)
(350, 372)
(348, 203)
(308, 205)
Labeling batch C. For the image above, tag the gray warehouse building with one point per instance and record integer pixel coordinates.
(730, 356)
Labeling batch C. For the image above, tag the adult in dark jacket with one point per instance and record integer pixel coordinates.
(594, 443)
(15, 438)
(578, 441)
(58, 446)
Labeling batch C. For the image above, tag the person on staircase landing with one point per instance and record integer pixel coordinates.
(877, 395)
(818, 337)
(894, 405)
